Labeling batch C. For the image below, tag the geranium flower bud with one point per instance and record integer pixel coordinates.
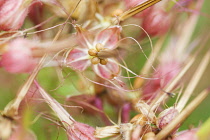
(157, 22)
(18, 58)
(81, 131)
(166, 117)
(21, 134)
(13, 13)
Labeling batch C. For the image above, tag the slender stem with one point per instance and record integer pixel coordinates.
(137, 9)
(62, 114)
(194, 81)
(147, 67)
(173, 83)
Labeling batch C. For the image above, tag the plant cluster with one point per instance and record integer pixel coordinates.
(121, 63)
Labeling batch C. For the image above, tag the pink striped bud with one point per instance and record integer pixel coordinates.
(18, 57)
(80, 131)
(13, 13)
(157, 22)
(166, 116)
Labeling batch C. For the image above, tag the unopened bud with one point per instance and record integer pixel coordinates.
(13, 14)
(18, 58)
(157, 23)
(81, 131)
(166, 117)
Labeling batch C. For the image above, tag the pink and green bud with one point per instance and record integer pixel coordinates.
(18, 57)
(157, 22)
(166, 116)
(80, 131)
(13, 13)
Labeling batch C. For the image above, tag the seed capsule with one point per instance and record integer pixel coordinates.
(103, 61)
(92, 52)
(99, 47)
(95, 60)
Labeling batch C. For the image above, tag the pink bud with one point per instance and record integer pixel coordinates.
(126, 112)
(187, 135)
(166, 116)
(157, 22)
(36, 13)
(20, 133)
(18, 58)
(12, 14)
(80, 131)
